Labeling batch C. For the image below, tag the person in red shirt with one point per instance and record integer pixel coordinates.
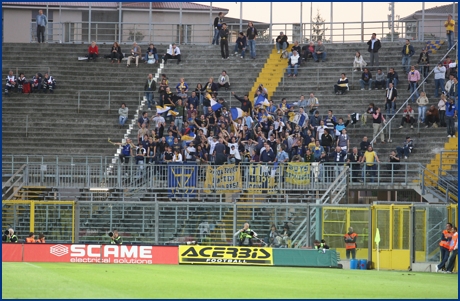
(93, 51)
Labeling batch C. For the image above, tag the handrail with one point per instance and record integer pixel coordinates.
(388, 123)
(440, 181)
(10, 184)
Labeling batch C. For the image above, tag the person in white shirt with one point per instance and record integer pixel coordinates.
(313, 104)
(442, 110)
(449, 83)
(358, 62)
(173, 53)
(177, 156)
(212, 141)
(439, 76)
(189, 152)
(294, 63)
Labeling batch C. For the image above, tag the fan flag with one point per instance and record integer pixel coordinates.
(215, 105)
(261, 100)
(236, 113)
(161, 109)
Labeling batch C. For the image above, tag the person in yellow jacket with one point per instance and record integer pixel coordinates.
(453, 252)
(350, 243)
(450, 25)
(444, 246)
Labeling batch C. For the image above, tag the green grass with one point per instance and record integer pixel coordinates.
(78, 280)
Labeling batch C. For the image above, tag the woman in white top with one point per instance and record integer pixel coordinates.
(177, 156)
(359, 62)
(442, 110)
(422, 102)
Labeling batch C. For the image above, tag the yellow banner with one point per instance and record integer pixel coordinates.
(225, 178)
(261, 178)
(298, 173)
(225, 255)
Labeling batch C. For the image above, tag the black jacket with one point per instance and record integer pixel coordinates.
(377, 46)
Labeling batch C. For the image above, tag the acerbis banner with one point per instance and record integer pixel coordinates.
(225, 255)
(92, 253)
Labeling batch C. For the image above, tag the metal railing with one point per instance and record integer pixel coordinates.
(421, 87)
(439, 186)
(202, 33)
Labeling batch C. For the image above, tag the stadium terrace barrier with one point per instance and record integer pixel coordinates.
(305, 258)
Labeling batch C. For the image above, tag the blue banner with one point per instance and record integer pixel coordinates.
(182, 179)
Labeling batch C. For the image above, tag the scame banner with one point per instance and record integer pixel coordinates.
(225, 255)
(225, 178)
(298, 173)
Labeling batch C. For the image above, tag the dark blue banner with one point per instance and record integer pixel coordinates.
(182, 179)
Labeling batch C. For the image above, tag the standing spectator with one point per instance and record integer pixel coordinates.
(123, 114)
(217, 27)
(408, 117)
(143, 119)
(444, 246)
(313, 104)
(115, 53)
(390, 102)
(380, 80)
(358, 62)
(293, 63)
(41, 20)
(350, 243)
(343, 140)
(424, 62)
(173, 53)
(320, 51)
(149, 87)
(369, 157)
(392, 77)
(48, 83)
(241, 43)
(413, 77)
(394, 159)
(407, 52)
(450, 25)
(354, 159)
(338, 156)
(151, 51)
(11, 83)
(374, 46)
(192, 103)
(439, 76)
(446, 64)
(224, 32)
(136, 53)
(449, 83)
(377, 122)
(453, 251)
(432, 117)
(453, 92)
(422, 102)
(281, 42)
(442, 110)
(451, 114)
(93, 51)
(246, 104)
(224, 80)
(342, 85)
(406, 148)
(267, 155)
(366, 79)
(251, 33)
(364, 144)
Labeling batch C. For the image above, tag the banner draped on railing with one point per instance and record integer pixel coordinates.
(225, 178)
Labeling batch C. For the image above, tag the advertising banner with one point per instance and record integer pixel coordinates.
(11, 252)
(298, 173)
(225, 178)
(225, 255)
(100, 253)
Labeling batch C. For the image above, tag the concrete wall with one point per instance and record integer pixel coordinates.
(16, 26)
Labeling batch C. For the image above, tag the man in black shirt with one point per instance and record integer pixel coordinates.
(353, 160)
(224, 41)
(364, 144)
(246, 104)
(219, 152)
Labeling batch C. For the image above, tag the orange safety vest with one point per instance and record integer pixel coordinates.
(30, 240)
(453, 242)
(350, 245)
(443, 243)
(40, 240)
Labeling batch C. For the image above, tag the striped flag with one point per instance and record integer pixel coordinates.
(215, 105)
(173, 113)
(161, 109)
(261, 100)
(236, 113)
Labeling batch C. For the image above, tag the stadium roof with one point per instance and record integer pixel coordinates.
(438, 12)
(137, 5)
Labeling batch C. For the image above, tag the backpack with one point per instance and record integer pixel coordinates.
(26, 89)
(284, 54)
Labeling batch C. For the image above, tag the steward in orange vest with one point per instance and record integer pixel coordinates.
(31, 238)
(444, 246)
(350, 243)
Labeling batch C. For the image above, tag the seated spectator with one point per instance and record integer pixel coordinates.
(36, 82)
(115, 53)
(406, 148)
(320, 51)
(307, 51)
(173, 53)
(369, 111)
(394, 160)
(21, 81)
(123, 115)
(366, 79)
(364, 144)
(408, 117)
(224, 80)
(342, 85)
(312, 104)
(358, 62)
(293, 63)
(136, 53)
(48, 83)
(297, 48)
(93, 52)
(182, 85)
(151, 56)
(241, 44)
(422, 102)
(281, 42)
(432, 117)
(392, 77)
(424, 62)
(11, 83)
(380, 80)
